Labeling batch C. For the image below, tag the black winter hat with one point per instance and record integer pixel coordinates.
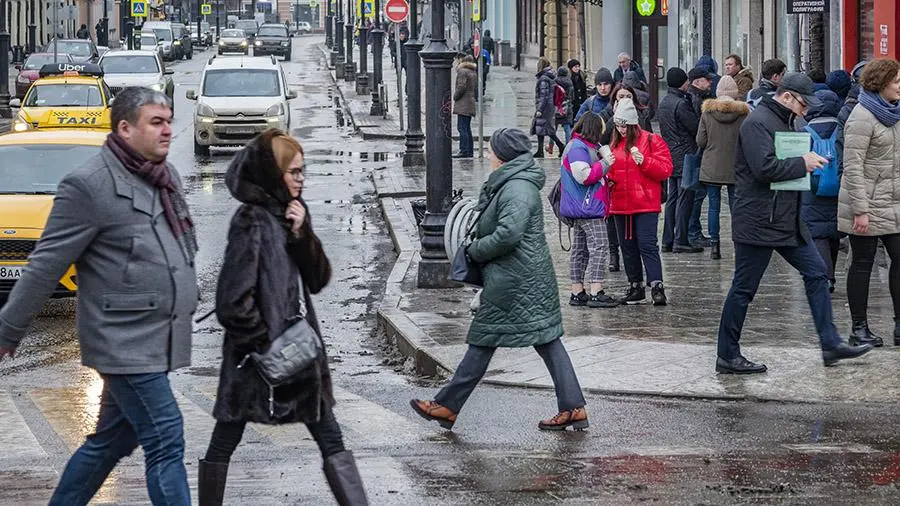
(508, 143)
(573, 62)
(676, 77)
(603, 76)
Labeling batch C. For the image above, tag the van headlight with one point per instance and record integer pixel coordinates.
(275, 110)
(23, 79)
(243, 43)
(158, 86)
(205, 110)
(285, 43)
(258, 43)
(221, 42)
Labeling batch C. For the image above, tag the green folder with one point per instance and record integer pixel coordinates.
(792, 145)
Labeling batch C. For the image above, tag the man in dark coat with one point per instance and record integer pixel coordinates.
(765, 221)
(624, 63)
(578, 82)
(703, 82)
(596, 103)
(83, 32)
(771, 74)
(678, 125)
(709, 64)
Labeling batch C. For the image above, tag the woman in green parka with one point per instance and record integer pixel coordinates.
(520, 301)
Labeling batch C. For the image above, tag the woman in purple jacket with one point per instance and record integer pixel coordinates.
(584, 201)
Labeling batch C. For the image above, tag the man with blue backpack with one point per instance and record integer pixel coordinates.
(818, 207)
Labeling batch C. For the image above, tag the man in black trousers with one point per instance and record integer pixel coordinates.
(764, 221)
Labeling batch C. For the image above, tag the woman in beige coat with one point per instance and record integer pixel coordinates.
(720, 125)
(869, 201)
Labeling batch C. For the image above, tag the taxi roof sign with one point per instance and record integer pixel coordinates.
(71, 69)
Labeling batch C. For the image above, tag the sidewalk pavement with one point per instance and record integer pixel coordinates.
(639, 350)
(509, 94)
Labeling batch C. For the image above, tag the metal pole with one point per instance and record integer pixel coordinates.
(102, 38)
(399, 75)
(5, 111)
(349, 67)
(415, 139)
(377, 35)
(362, 79)
(337, 48)
(434, 267)
(481, 63)
(218, 10)
(199, 31)
(55, 30)
(32, 29)
(329, 24)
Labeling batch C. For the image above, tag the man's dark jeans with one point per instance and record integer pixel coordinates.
(679, 206)
(750, 263)
(695, 229)
(134, 409)
(466, 143)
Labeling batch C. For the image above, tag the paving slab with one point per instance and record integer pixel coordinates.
(641, 350)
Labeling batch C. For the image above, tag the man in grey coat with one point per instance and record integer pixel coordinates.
(123, 221)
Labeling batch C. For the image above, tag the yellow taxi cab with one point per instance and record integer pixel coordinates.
(34, 163)
(66, 95)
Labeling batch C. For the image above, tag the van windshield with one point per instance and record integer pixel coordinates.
(241, 83)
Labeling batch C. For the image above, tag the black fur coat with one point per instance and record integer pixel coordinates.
(258, 295)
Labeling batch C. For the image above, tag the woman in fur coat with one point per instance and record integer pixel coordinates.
(272, 263)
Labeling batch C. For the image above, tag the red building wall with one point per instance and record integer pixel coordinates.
(886, 14)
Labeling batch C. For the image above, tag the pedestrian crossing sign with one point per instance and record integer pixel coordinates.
(365, 8)
(206, 9)
(139, 8)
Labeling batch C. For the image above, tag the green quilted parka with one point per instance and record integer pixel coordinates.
(520, 301)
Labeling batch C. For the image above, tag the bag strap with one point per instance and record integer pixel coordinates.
(569, 233)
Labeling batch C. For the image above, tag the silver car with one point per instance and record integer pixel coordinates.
(143, 68)
(233, 40)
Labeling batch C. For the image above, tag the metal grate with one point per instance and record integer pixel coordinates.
(15, 249)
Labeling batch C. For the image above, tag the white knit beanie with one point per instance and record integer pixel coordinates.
(625, 113)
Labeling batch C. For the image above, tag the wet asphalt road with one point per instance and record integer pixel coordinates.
(637, 450)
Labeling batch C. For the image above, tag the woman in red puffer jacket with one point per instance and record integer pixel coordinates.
(642, 162)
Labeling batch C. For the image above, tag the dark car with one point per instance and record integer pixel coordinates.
(272, 38)
(249, 26)
(183, 40)
(28, 72)
(81, 50)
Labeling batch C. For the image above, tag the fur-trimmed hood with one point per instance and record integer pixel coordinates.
(467, 65)
(724, 110)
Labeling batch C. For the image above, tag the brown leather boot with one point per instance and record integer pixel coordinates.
(431, 410)
(577, 418)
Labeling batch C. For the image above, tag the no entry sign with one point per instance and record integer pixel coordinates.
(396, 10)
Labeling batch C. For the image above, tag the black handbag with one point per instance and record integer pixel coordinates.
(288, 356)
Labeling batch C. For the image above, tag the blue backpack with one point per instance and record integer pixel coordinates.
(826, 182)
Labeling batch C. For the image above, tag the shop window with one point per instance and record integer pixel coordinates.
(866, 32)
(689, 35)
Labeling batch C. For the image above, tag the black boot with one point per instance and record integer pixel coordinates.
(343, 478)
(715, 251)
(614, 261)
(896, 332)
(211, 484)
(860, 334)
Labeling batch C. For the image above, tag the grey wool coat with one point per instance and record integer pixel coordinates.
(137, 290)
(871, 181)
(259, 295)
(720, 126)
(466, 88)
(544, 122)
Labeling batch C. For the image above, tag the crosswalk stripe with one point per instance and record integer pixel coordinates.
(18, 443)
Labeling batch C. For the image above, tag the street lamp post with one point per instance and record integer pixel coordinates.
(329, 24)
(434, 267)
(5, 111)
(362, 78)
(218, 9)
(415, 139)
(32, 29)
(377, 35)
(349, 67)
(338, 48)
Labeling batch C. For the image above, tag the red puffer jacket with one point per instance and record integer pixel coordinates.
(637, 188)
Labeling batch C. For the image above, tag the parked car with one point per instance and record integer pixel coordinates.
(81, 50)
(149, 42)
(303, 28)
(233, 40)
(239, 97)
(274, 39)
(28, 71)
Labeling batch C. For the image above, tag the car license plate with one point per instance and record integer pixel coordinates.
(7, 272)
(241, 130)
